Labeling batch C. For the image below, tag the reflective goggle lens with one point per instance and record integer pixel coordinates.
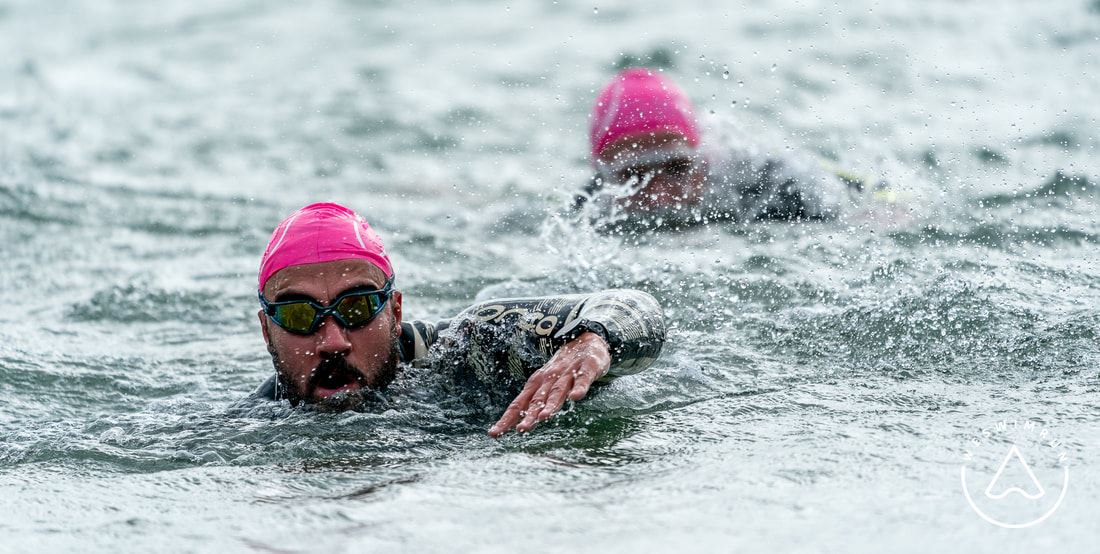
(674, 168)
(297, 317)
(358, 309)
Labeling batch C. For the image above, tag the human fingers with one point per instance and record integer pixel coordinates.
(589, 371)
(513, 413)
(535, 406)
(556, 398)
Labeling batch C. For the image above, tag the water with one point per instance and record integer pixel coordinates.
(820, 382)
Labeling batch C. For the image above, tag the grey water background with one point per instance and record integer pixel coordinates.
(820, 382)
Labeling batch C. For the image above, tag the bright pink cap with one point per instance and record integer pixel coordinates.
(639, 100)
(323, 232)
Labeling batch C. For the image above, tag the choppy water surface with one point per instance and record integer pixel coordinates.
(820, 380)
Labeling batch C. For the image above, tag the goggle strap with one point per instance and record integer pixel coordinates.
(629, 159)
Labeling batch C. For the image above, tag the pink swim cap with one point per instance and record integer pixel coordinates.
(322, 232)
(640, 101)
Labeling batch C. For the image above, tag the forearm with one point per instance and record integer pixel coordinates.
(631, 321)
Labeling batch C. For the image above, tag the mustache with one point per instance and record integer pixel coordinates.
(336, 367)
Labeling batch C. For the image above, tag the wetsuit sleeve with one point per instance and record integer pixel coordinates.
(517, 336)
(757, 186)
(631, 321)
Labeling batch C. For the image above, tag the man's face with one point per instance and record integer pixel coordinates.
(333, 364)
(666, 172)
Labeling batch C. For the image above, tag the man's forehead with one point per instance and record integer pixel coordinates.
(324, 278)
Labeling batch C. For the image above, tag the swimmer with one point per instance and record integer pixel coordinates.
(330, 313)
(650, 164)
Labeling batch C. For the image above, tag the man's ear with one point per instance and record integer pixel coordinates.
(395, 303)
(263, 327)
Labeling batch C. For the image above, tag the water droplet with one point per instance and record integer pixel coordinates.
(726, 74)
(595, 10)
(773, 67)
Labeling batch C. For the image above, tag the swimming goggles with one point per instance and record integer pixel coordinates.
(352, 309)
(677, 162)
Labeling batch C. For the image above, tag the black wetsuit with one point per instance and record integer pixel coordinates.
(499, 343)
(743, 185)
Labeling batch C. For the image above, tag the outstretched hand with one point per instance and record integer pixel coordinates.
(568, 374)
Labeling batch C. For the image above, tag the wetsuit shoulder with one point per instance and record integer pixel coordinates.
(268, 390)
(759, 185)
(417, 337)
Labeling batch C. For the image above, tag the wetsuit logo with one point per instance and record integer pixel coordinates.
(529, 320)
(1015, 474)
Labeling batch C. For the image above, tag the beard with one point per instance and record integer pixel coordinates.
(333, 372)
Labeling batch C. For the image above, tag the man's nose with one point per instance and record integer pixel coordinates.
(665, 184)
(333, 338)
